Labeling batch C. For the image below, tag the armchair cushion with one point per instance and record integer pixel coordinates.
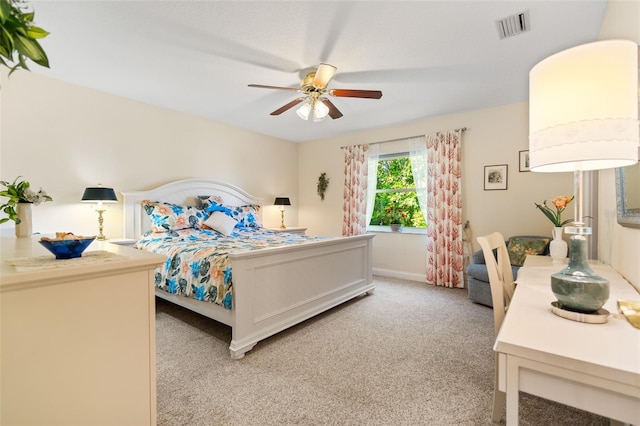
(520, 247)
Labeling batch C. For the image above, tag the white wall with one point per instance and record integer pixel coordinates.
(493, 136)
(64, 138)
(618, 245)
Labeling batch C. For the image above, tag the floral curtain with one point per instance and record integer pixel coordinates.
(354, 210)
(445, 246)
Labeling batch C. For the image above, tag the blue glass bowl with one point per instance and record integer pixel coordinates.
(67, 249)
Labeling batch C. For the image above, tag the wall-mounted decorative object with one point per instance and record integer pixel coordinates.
(495, 177)
(323, 184)
(524, 161)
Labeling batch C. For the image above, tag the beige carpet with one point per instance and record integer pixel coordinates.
(410, 354)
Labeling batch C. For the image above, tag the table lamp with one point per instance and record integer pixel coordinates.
(282, 201)
(583, 115)
(100, 195)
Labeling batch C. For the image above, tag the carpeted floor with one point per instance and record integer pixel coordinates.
(410, 354)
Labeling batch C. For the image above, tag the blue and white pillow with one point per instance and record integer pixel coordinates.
(247, 216)
(167, 217)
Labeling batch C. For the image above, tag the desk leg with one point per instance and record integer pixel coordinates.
(512, 391)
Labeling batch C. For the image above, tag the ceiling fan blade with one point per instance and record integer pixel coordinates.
(333, 111)
(350, 93)
(262, 86)
(288, 106)
(323, 75)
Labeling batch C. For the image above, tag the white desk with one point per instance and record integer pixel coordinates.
(593, 367)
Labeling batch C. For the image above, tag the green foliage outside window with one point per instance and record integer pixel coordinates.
(396, 200)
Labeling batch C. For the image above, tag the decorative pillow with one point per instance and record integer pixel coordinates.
(520, 247)
(222, 223)
(207, 200)
(172, 217)
(213, 203)
(248, 215)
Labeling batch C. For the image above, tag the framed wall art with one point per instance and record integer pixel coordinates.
(495, 177)
(524, 161)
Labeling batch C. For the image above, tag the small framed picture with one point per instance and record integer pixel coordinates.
(495, 177)
(524, 161)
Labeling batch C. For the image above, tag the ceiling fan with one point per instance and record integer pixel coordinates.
(314, 87)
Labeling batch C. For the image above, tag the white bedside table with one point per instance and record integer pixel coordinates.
(128, 242)
(292, 230)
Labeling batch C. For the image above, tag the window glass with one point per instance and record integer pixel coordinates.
(396, 200)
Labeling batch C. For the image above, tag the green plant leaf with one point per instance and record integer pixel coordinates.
(31, 49)
(18, 36)
(5, 11)
(6, 39)
(36, 32)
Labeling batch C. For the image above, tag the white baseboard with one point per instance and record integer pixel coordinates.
(400, 275)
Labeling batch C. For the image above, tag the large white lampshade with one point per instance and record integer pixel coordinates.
(583, 108)
(583, 115)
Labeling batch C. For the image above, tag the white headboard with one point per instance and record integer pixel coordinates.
(182, 192)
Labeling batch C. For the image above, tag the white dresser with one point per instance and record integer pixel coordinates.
(78, 341)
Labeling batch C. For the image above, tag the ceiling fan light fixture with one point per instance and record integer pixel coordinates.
(320, 111)
(304, 111)
(314, 88)
(323, 74)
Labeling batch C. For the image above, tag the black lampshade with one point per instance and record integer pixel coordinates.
(99, 193)
(282, 201)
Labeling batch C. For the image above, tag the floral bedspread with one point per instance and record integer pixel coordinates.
(198, 264)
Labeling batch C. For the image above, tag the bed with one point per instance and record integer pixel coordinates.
(273, 288)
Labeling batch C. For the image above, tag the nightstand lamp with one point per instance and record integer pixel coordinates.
(100, 195)
(282, 201)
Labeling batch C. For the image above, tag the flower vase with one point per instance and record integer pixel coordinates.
(23, 229)
(558, 247)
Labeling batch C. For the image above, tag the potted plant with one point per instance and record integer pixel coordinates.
(558, 247)
(18, 206)
(394, 215)
(19, 36)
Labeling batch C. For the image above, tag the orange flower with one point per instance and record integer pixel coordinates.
(560, 203)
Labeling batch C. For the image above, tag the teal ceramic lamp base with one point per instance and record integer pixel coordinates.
(577, 287)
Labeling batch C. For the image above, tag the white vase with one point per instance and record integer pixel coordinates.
(558, 247)
(23, 229)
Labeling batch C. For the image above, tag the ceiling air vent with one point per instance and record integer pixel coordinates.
(513, 25)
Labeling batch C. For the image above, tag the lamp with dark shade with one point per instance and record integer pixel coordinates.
(282, 201)
(100, 195)
(583, 115)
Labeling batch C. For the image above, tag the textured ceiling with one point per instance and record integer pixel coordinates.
(429, 58)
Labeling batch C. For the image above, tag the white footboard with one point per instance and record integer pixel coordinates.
(274, 289)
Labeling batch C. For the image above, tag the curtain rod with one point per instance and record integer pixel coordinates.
(462, 129)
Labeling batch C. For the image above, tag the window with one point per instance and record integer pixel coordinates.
(396, 200)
